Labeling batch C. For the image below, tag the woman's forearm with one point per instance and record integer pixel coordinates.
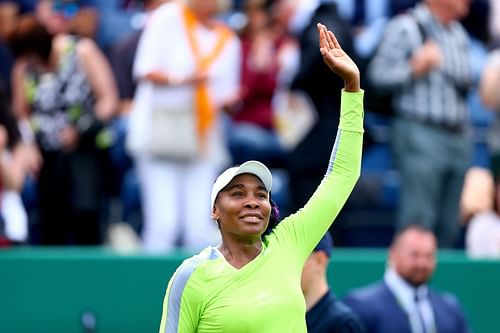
(101, 79)
(352, 84)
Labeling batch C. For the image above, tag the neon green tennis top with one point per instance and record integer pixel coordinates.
(207, 294)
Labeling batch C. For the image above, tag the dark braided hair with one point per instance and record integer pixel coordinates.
(274, 218)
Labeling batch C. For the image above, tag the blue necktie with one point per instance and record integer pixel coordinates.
(419, 312)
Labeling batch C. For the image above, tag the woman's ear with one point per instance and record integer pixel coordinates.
(215, 214)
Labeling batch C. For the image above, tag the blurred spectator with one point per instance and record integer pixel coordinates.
(8, 16)
(403, 301)
(368, 20)
(116, 20)
(252, 134)
(488, 91)
(17, 161)
(479, 209)
(192, 81)
(320, 85)
(122, 58)
(476, 21)
(430, 80)
(23, 6)
(77, 17)
(63, 93)
(400, 6)
(6, 62)
(325, 313)
(494, 22)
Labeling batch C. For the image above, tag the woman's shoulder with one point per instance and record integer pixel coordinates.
(204, 266)
(61, 42)
(166, 12)
(168, 8)
(86, 47)
(83, 46)
(208, 254)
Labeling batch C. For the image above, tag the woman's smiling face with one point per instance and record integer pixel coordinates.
(243, 207)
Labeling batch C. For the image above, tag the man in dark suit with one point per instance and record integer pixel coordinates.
(403, 302)
(325, 312)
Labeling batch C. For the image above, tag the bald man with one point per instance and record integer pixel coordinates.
(403, 302)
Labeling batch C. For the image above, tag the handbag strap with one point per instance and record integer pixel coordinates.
(204, 106)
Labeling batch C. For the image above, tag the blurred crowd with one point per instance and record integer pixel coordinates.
(117, 115)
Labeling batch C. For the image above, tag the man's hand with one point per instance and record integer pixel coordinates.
(426, 58)
(337, 60)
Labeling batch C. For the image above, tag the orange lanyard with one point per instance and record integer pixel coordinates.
(204, 61)
(204, 106)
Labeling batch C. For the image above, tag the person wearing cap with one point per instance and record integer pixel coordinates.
(251, 281)
(325, 313)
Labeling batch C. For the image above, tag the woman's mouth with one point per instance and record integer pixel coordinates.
(251, 218)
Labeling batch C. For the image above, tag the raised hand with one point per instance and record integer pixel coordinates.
(337, 60)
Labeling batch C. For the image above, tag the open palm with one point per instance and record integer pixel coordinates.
(335, 58)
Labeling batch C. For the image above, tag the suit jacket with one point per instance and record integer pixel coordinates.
(379, 311)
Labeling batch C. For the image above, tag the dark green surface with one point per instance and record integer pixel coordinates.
(48, 290)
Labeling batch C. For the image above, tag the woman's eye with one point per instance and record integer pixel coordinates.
(262, 195)
(237, 194)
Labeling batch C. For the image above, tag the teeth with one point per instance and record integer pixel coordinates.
(251, 218)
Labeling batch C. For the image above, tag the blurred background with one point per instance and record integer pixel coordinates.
(88, 235)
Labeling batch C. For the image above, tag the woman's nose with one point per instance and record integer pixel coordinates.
(252, 202)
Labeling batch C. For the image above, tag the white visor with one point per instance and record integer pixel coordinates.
(255, 168)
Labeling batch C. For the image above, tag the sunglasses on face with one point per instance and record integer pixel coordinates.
(66, 9)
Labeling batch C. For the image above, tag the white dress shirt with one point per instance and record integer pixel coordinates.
(405, 295)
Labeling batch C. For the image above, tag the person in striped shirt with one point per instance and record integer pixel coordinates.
(424, 61)
(251, 281)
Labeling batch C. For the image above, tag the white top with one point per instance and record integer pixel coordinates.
(482, 239)
(164, 46)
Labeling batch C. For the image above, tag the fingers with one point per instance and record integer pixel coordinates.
(323, 43)
(327, 38)
(332, 40)
(328, 43)
(331, 44)
(322, 36)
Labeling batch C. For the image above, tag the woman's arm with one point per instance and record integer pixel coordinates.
(20, 106)
(101, 79)
(17, 163)
(490, 80)
(301, 231)
(11, 178)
